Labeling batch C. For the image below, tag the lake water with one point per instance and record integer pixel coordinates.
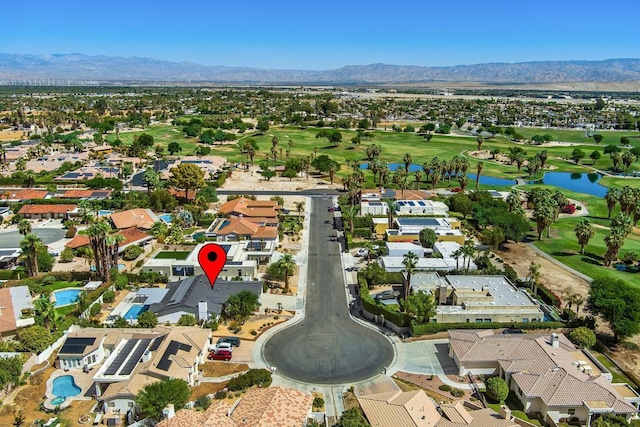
(586, 183)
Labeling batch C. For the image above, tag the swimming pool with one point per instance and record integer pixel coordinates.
(67, 296)
(104, 212)
(120, 267)
(166, 218)
(135, 311)
(65, 386)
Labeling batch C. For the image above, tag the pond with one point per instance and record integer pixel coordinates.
(586, 183)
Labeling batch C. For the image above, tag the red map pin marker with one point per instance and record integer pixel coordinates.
(212, 259)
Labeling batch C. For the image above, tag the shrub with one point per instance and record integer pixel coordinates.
(235, 326)
(583, 337)
(568, 209)
(253, 332)
(71, 232)
(497, 389)
(94, 310)
(318, 402)
(109, 296)
(445, 387)
(362, 232)
(252, 377)
(132, 252)
(66, 255)
(203, 402)
(434, 328)
(456, 392)
(187, 320)
(220, 395)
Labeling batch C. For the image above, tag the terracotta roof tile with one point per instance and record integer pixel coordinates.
(45, 209)
(7, 317)
(26, 194)
(141, 218)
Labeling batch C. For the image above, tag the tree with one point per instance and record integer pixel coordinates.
(407, 160)
(187, 320)
(612, 198)
(34, 338)
(352, 418)
(614, 241)
(174, 148)
(419, 305)
(543, 215)
(241, 305)
(492, 237)
(618, 304)
(595, 156)
(287, 266)
(46, 309)
(152, 179)
(479, 172)
(391, 209)
(610, 420)
(480, 141)
(30, 247)
(597, 138)
(148, 319)
(187, 176)
(497, 389)
(66, 255)
(153, 398)
(24, 226)
(427, 237)
(583, 337)
(409, 261)
(584, 232)
(263, 124)
(104, 247)
(299, 209)
(577, 155)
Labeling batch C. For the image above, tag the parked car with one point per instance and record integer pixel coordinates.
(222, 346)
(220, 354)
(386, 295)
(234, 341)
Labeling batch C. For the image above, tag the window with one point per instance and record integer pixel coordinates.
(525, 320)
(130, 404)
(571, 411)
(478, 320)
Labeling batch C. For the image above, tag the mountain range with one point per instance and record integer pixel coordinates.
(135, 69)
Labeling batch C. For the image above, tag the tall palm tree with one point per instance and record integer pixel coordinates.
(468, 251)
(622, 222)
(407, 160)
(457, 254)
(612, 197)
(409, 261)
(351, 212)
(391, 210)
(584, 232)
(543, 216)
(332, 171)
(533, 276)
(287, 265)
(299, 209)
(479, 172)
(98, 233)
(24, 226)
(30, 246)
(463, 180)
(614, 241)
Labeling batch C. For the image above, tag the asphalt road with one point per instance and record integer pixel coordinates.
(327, 346)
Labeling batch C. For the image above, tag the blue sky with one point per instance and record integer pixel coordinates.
(327, 34)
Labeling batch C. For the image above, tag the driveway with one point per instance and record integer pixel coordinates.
(327, 346)
(429, 357)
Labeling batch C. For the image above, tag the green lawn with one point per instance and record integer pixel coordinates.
(64, 311)
(61, 285)
(618, 375)
(179, 255)
(566, 135)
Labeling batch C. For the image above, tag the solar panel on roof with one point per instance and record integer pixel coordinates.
(72, 175)
(120, 358)
(375, 203)
(135, 357)
(165, 361)
(156, 343)
(421, 203)
(76, 345)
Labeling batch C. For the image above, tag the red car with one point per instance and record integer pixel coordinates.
(220, 354)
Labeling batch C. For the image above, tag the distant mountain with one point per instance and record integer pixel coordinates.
(118, 69)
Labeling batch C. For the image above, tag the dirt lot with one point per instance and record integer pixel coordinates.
(553, 277)
(220, 369)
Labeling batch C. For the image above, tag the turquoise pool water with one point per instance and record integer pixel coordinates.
(58, 400)
(104, 212)
(135, 311)
(64, 387)
(67, 296)
(120, 267)
(166, 218)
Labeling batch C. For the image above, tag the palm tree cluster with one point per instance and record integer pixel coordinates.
(620, 228)
(546, 206)
(30, 246)
(105, 248)
(629, 200)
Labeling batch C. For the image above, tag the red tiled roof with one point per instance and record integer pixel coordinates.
(79, 194)
(7, 318)
(27, 194)
(78, 241)
(181, 194)
(250, 208)
(44, 209)
(131, 235)
(141, 218)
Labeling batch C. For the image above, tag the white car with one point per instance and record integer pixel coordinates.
(222, 346)
(362, 252)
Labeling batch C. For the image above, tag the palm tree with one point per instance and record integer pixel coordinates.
(24, 226)
(30, 246)
(98, 234)
(407, 162)
(351, 212)
(468, 251)
(584, 232)
(151, 178)
(534, 275)
(463, 180)
(370, 248)
(614, 241)
(391, 209)
(299, 209)
(543, 216)
(479, 172)
(579, 299)
(287, 265)
(612, 197)
(409, 261)
(622, 222)
(332, 171)
(480, 141)
(457, 254)
(46, 309)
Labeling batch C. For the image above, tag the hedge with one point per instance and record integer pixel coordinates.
(362, 232)
(374, 308)
(363, 222)
(548, 296)
(250, 378)
(434, 328)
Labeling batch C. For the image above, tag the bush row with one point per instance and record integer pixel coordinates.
(250, 378)
(433, 328)
(362, 232)
(377, 309)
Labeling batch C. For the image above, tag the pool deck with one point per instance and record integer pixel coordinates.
(82, 380)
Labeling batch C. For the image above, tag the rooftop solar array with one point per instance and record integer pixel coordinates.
(156, 343)
(172, 350)
(375, 203)
(135, 357)
(76, 345)
(121, 357)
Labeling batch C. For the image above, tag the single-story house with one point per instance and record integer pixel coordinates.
(62, 211)
(16, 309)
(132, 236)
(139, 218)
(17, 196)
(247, 208)
(86, 194)
(546, 372)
